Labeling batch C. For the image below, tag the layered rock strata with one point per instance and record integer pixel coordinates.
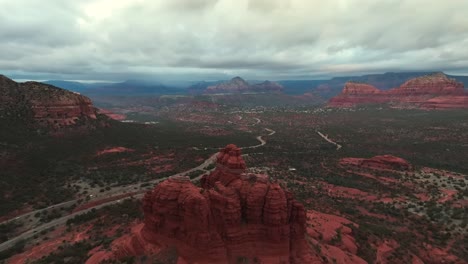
(46, 105)
(383, 162)
(234, 216)
(435, 91)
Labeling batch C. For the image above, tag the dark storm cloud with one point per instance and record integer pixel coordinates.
(203, 39)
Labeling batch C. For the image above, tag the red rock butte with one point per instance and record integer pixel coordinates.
(233, 216)
(434, 91)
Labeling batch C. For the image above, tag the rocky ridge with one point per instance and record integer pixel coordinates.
(45, 105)
(383, 162)
(434, 91)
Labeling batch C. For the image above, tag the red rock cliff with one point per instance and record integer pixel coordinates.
(233, 216)
(434, 91)
(357, 93)
(434, 84)
(47, 105)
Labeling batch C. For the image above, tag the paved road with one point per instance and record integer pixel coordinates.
(63, 220)
(260, 138)
(338, 146)
(67, 203)
(54, 223)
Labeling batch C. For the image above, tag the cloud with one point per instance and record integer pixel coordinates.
(183, 39)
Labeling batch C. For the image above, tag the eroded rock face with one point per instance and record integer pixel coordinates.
(383, 162)
(434, 84)
(239, 85)
(434, 91)
(234, 216)
(47, 105)
(357, 93)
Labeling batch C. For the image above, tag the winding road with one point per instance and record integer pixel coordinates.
(62, 220)
(338, 146)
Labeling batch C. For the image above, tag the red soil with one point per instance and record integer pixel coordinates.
(423, 196)
(112, 115)
(447, 195)
(380, 216)
(346, 192)
(114, 150)
(323, 232)
(382, 179)
(384, 162)
(384, 249)
(46, 247)
(433, 254)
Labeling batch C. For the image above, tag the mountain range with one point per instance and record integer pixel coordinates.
(323, 88)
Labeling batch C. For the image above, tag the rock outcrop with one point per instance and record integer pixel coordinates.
(357, 93)
(234, 217)
(434, 91)
(239, 85)
(45, 105)
(383, 162)
(433, 84)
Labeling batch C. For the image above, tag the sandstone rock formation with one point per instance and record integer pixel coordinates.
(234, 217)
(357, 93)
(384, 162)
(46, 105)
(239, 85)
(433, 84)
(434, 91)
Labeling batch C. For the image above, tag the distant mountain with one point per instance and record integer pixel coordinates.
(200, 87)
(323, 88)
(69, 85)
(133, 88)
(239, 85)
(126, 88)
(298, 87)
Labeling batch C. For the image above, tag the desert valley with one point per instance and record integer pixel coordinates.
(367, 176)
(233, 132)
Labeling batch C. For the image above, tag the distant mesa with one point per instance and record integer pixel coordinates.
(434, 91)
(234, 215)
(45, 105)
(239, 85)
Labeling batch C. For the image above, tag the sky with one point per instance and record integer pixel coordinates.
(113, 40)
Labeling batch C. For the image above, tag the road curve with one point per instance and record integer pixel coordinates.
(338, 146)
(62, 220)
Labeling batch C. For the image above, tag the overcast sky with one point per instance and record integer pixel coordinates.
(217, 39)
